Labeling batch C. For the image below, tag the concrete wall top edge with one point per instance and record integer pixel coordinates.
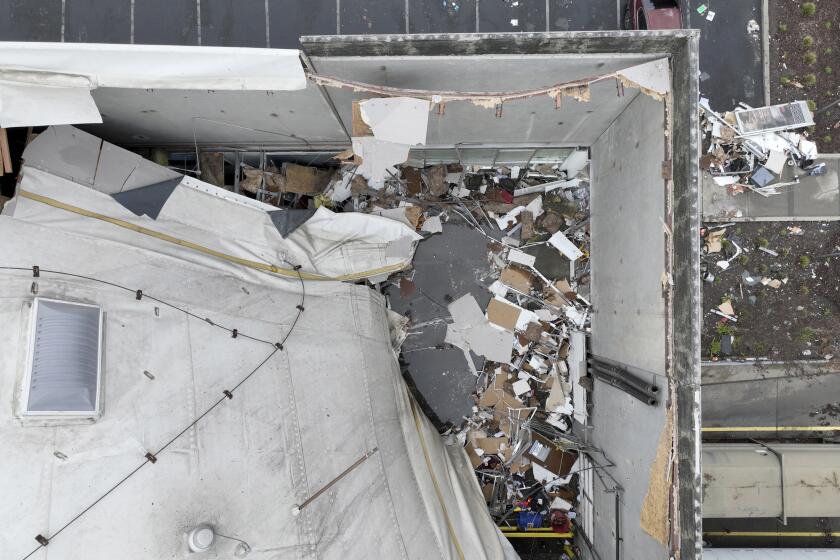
(649, 42)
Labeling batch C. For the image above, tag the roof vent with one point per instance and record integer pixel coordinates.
(201, 538)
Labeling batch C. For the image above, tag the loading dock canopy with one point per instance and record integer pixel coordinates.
(745, 480)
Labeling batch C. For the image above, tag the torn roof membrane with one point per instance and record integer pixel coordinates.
(49, 83)
(212, 222)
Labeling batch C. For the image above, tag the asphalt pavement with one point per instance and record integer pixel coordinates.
(731, 63)
(279, 23)
(730, 58)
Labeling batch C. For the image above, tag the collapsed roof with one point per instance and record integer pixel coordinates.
(647, 307)
(329, 396)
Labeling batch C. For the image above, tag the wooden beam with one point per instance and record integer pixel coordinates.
(4, 149)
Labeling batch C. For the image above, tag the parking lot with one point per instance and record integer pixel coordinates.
(278, 24)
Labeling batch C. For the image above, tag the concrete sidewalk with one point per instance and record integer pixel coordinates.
(762, 396)
(814, 198)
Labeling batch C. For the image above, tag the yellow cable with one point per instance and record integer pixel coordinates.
(769, 534)
(434, 479)
(274, 269)
(539, 535)
(770, 428)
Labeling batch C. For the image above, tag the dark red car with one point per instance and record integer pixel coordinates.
(652, 14)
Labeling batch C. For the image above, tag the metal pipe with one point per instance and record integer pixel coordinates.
(617, 526)
(780, 458)
(630, 390)
(297, 509)
(625, 375)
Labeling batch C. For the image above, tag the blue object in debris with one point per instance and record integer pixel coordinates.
(816, 169)
(528, 519)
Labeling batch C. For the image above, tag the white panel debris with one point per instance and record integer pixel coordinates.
(378, 158)
(155, 66)
(521, 257)
(432, 225)
(573, 165)
(397, 123)
(562, 243)
(653, 78)
(471, 330)
(577, 369)
(58, 92)
(403, 120)
(25, 104)
(508, 220)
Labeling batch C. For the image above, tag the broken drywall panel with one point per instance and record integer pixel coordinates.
(521, 387)
(359, 126)
(492, 343)
(517, 278)
(535, 207)
(466, 312)
(65, 151)
(378, 158)
(509, 220)
(572, 166)
(521, 257)
(562, 243)
(403, 120)
(652, 78)
(27, 104)
(432, 225)
(503, 314)
(341, 190)
(577, 370)
(398, 329)
(498, 289)
(525, 318)
(470, 330)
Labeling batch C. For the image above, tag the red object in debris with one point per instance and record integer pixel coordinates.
(560, 522)
(652, 14)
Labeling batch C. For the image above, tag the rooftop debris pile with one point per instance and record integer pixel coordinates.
(535, 217)
(531, 335)
(519, 435)
(770, 290)
(758, 149)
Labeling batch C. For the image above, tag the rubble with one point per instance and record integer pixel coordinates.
(752, 148)
(532, 388)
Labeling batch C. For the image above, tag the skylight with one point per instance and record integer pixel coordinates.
(64, 370)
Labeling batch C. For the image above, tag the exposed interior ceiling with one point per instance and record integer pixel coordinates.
(304, 119)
